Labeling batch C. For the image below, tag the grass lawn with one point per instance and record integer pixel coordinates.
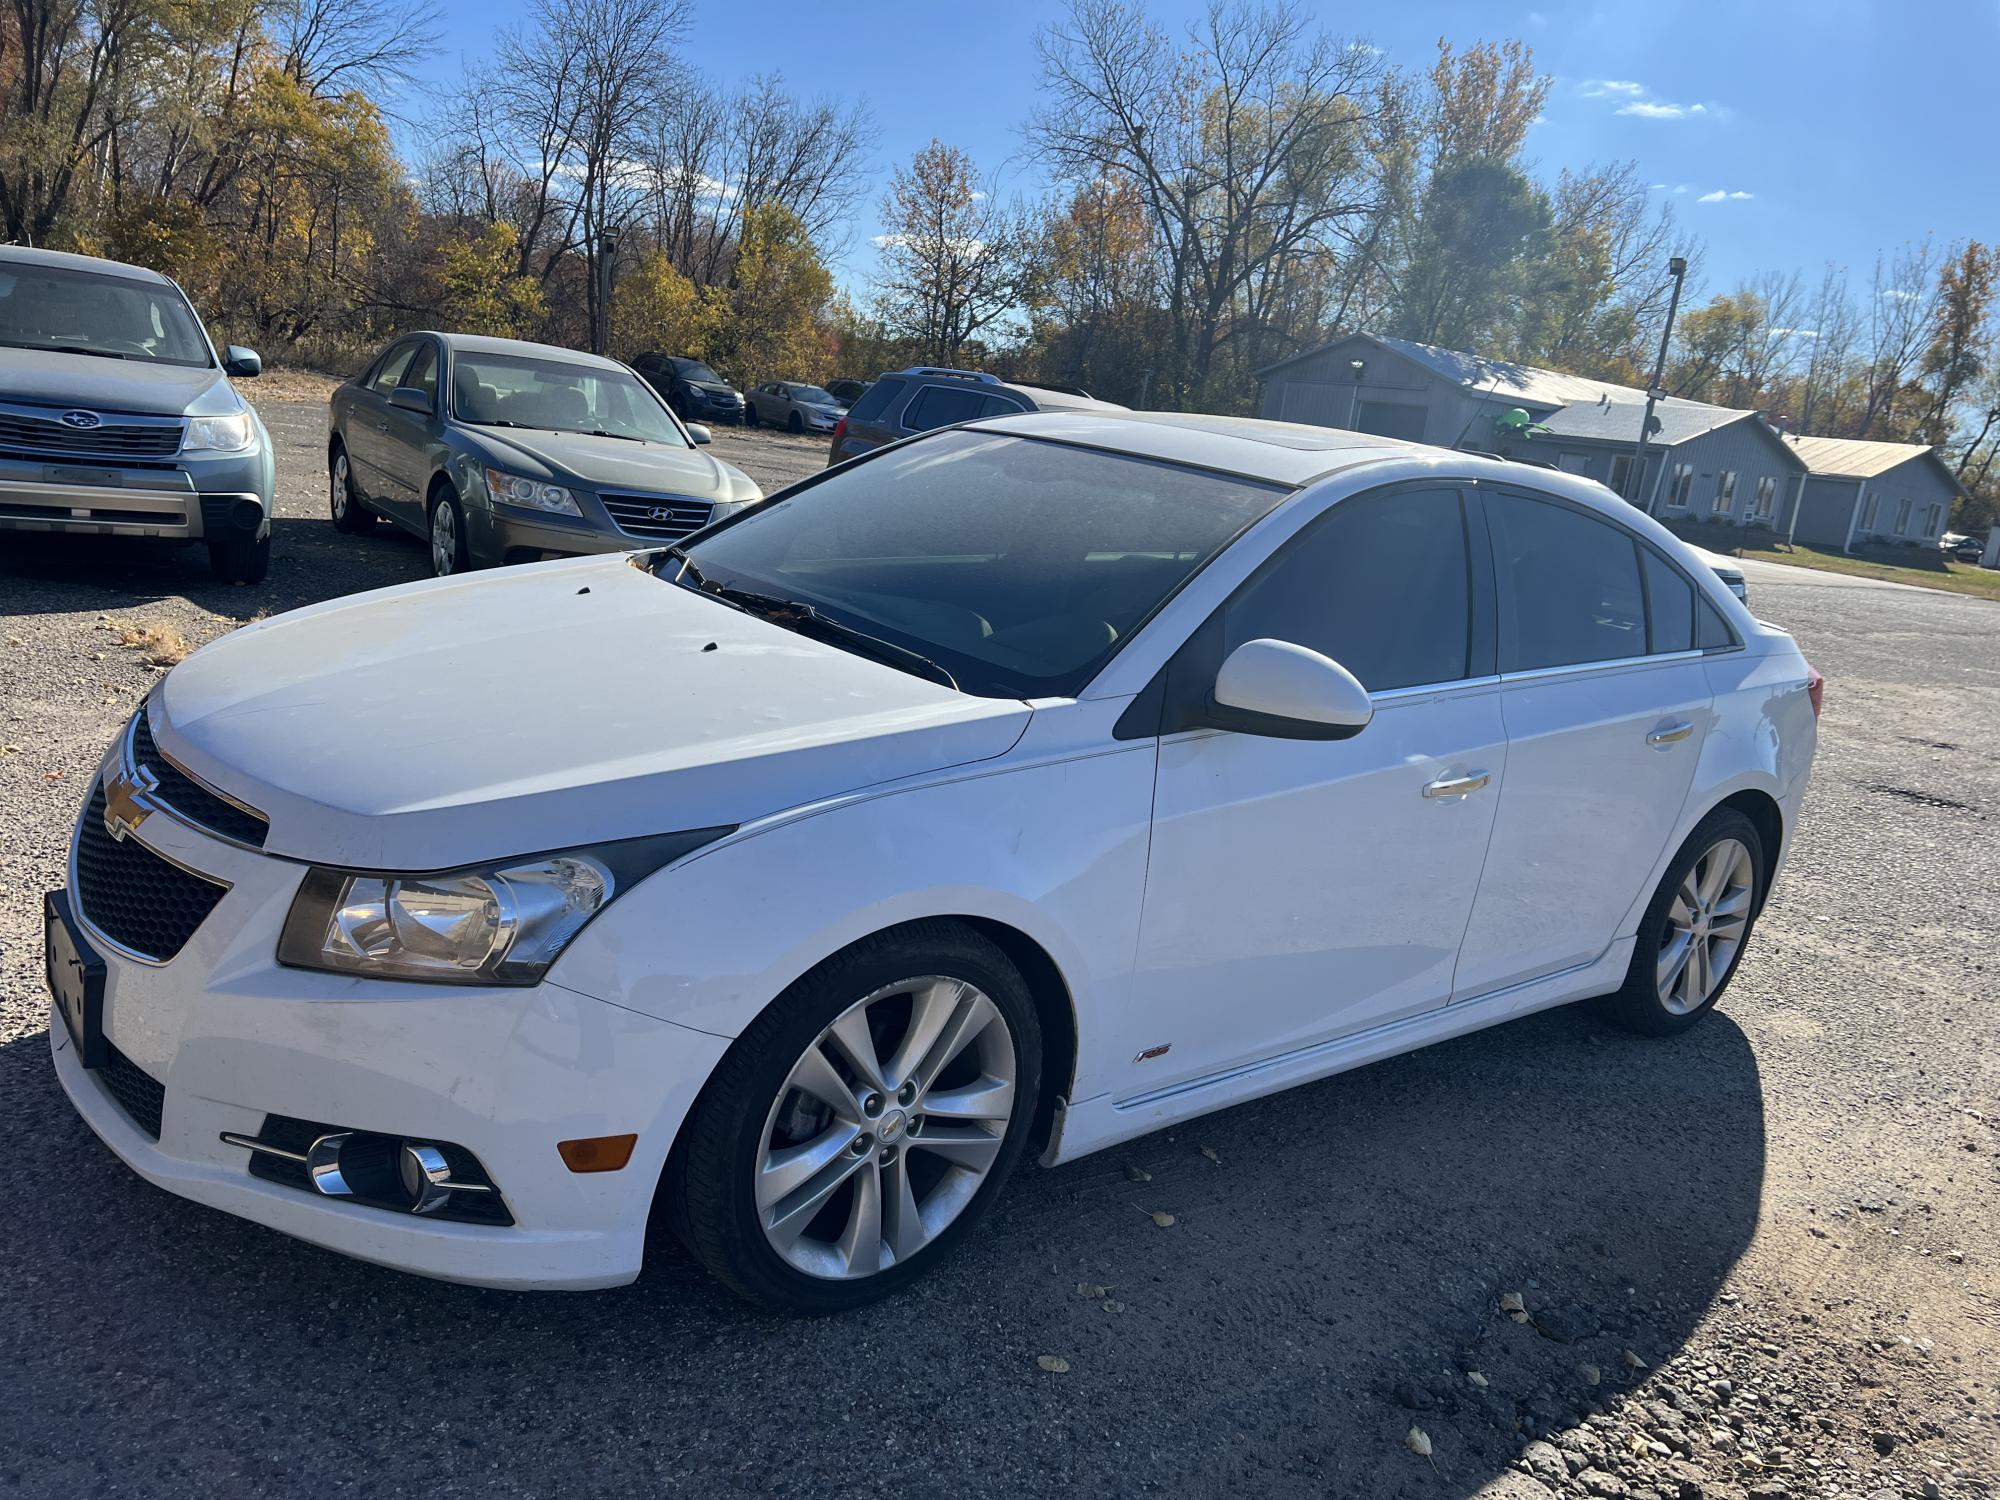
(1927, 570)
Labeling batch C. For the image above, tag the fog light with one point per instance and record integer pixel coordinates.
(323, 1166)
(425, 1176)
(248, 515)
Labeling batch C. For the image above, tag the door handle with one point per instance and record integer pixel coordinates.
(1457, 786)
(1673, 734)
(381, 426)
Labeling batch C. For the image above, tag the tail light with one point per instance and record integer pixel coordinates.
(839, 432)
(1815, 687)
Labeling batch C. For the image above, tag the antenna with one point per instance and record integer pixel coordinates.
(1484, 398)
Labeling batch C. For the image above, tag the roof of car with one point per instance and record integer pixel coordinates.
(474, 343)
(1281, 452)
(23, 255)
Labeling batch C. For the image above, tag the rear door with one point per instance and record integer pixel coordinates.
(367, 427)
(1606, 704)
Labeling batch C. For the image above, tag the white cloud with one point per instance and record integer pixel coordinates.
(1721, 195)
(1660, 109)
(1605, 88)
(1796, 333)
(1898, 294)
(1537, 18)
(1636, 100)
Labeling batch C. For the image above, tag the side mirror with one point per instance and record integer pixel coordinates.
(242, 363)
(700, 433)
(1288, 692)
(409, 398)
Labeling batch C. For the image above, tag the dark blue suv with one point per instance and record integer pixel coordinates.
(921, 398)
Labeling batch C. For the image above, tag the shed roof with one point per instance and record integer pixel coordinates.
(1674, 421)
(1503, 379)
(1854, 458)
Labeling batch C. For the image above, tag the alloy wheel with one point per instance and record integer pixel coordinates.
(885, 1128)
(337, 497)
(444, 539)
(1706, 922)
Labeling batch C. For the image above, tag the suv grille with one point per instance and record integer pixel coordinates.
(136, 1090)
(22, 432)
(189, 797)
(655, 517)
(131, 895)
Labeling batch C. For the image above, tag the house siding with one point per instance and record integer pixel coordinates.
(1320, 389)
(1826, 511)
(1919, 482)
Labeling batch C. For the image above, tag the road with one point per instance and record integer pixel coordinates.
(1787, 1217)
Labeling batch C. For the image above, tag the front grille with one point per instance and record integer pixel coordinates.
(44, 437)
(657, 518)
(140, 901)
(136, 1090)
(296, 1136)
(189, 797)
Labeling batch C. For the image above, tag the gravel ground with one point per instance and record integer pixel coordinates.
(1756, 1261)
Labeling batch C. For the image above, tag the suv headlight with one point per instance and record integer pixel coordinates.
(219, 434)
(532, 494)
(501, 924)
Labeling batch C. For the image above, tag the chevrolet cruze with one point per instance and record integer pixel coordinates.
(1026, 786)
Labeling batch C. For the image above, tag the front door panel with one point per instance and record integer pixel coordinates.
(1302, 890)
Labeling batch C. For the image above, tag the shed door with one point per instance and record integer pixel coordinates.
(1392, 419)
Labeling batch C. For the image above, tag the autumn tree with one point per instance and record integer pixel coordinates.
(774, 330)
(952, 258)
(480, 288)
(653, 306)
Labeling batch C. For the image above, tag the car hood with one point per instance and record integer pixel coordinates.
(614, 464)
(467, 719)
(44, 377)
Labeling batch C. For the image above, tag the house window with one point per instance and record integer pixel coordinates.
(1933, 519)
(1725, 493)
(1868, 505)
(1621, 474)
(1678, 486)
(1767, 493)
(1902, 517)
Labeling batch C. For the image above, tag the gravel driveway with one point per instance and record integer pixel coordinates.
(1755, 1261)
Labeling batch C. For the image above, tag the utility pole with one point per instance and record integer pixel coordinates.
(1656, 392)
(600, 335)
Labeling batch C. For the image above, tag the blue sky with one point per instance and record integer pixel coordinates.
(1831, 130)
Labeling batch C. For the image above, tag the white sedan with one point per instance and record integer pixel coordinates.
(1028, 786)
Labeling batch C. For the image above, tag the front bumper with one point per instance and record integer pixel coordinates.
(199, 498)
(230, 1037)
(511, 537)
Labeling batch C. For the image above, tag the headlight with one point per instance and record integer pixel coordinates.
(219, 434)
(496, 924)
(533, 494)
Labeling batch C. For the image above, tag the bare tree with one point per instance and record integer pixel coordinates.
(952, 257)
(331, 46)
(1898, 323)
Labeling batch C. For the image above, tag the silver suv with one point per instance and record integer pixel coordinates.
(922, 398)
(117, 417)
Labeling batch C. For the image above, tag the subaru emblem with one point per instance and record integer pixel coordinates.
(83, 420)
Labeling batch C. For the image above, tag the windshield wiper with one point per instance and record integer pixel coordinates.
(623, 437)
(63, 349)
(796, 613)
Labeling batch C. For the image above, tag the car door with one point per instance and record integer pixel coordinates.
(1302, 890)
(1606, 703)
(407, 438)
(367, 426)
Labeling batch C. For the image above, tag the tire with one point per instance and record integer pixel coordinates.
(750, 418)
(1714, 886)
(753, 1111)
(349, 514)
(239, 558)
(796, 423)
(449, 553)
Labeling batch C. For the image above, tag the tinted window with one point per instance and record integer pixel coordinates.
(57, 307)
(942, 405)
(514, 390)
(1569, 586)
(423, 372)
(694, 370)
(1669, 604)
(389, 374)
(875, 400)
(1380, 584)
(1710, 629)
(1019, 566)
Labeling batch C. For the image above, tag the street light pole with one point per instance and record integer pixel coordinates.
(1656, 392)
(600, 336)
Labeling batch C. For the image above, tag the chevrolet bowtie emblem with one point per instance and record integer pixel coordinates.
(125, 804)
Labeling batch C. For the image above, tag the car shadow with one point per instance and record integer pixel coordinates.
(1333, 1271)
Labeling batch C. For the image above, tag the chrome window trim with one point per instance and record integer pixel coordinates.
(1612, 664)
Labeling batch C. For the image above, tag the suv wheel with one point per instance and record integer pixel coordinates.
(239, 558)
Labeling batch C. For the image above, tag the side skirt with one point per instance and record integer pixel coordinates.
(1093, 1124)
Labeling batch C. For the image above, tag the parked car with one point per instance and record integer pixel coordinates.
(922, 398)
(498, 451)
(1964, 548)
(1029, 786)
(117, 417)
(1726, 569)
(794, 406)
(847, 392)
(691, 388)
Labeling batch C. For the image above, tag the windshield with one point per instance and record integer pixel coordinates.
(694, 369)
(1019, 566)
(86, 312)
(512, 390)
(812, 395)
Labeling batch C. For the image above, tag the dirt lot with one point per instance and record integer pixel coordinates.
(1756, 1261)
